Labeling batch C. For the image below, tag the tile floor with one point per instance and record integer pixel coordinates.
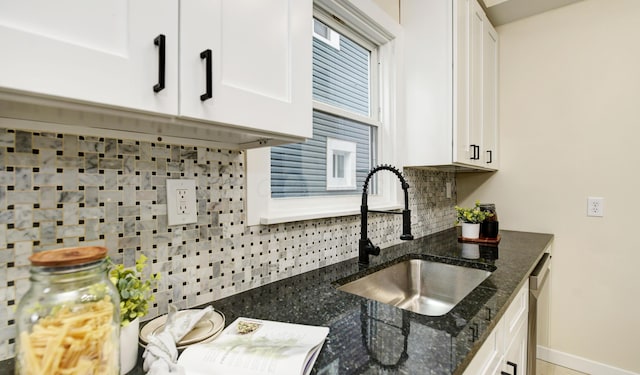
(546, 368)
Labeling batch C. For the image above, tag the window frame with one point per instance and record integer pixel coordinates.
(346, 149)
(373, 118)
(333, 40)
(367, 19)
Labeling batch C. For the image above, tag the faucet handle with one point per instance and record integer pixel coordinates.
(372, 249)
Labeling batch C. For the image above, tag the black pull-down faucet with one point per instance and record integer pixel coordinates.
(366, 247)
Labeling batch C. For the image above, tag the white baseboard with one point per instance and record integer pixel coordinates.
(578, 363)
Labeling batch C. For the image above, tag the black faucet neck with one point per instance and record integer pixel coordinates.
(366, 247)
(378, 168)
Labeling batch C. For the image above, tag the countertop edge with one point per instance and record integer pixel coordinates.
(530, 239)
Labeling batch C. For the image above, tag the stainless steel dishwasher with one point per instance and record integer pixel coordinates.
(537, 282)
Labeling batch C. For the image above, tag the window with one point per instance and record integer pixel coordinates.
(343, 79)
(341, 164)
(326, 34)
(355, 89)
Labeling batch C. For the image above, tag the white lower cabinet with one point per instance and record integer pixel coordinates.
(505, 350)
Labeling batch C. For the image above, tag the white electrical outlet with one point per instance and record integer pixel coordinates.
(181, 202)
(595, 206)
(181, 199)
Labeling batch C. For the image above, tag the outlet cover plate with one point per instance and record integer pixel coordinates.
(595, 206)
(182, 206)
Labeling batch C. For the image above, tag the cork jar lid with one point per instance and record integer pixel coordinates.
(69, 256)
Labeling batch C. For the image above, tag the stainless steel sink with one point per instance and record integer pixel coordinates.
(422, 286)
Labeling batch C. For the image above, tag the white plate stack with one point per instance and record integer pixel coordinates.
(206, 330)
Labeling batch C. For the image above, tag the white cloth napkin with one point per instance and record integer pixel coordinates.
(161, 354)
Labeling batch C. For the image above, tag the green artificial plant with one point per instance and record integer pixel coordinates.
(473, 215)
(135, 294)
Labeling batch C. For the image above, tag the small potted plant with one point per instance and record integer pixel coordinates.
(135, 296)
(471, 219)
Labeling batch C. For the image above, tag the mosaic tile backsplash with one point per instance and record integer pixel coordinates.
(61, 190)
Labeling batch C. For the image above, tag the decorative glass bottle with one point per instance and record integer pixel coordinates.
(69, 319)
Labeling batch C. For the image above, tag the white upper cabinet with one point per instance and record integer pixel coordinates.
(247, 63)
(237, 72)
(451, 85)
(99, 51)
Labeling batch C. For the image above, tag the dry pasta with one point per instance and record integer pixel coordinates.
(74, 340)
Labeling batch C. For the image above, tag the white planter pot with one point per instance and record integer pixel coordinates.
(129, 346)
(470, 230)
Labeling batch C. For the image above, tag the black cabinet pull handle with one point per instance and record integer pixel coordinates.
(476, 152)
(473, 152)
(475, 330)
(515, 367)
(206, 54)
(160, 42)
(490, 156)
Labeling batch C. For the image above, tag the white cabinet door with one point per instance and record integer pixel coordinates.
(99, 51)
(259, 73)
(490, 156)
(468, 62)
(515, 358)
(462, 152)
(477, 19)
(488, 359)
(515, 322)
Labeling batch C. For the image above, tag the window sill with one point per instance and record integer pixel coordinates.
(279, 219)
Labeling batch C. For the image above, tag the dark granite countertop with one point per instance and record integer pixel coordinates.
(371, 337)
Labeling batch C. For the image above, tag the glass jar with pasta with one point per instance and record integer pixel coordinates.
(69, 320)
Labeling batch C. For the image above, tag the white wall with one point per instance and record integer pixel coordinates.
(392, 7)
(570, 128)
